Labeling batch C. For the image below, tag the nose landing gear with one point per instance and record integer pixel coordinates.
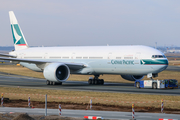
(95, 80)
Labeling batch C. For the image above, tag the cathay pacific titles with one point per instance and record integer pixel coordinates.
(122, 62)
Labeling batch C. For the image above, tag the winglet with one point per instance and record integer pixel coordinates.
(18, 37)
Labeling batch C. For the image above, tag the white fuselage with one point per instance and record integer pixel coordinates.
(122, 60)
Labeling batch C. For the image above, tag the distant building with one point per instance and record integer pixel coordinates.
(173, 51)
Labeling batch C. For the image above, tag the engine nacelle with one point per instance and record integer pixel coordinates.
(57, 72)
(132, 77)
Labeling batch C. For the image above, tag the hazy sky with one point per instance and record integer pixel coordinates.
(93, 22)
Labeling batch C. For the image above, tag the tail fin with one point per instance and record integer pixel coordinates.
(18, 37)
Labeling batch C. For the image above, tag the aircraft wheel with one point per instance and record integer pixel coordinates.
(154, 85)
(96, 82)
(51, 82)
(93, 81)
(54, 83)
(102, 82)
(90, 81)
(47, 82)
(138, 85)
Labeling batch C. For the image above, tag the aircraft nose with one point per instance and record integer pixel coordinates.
(167, 61)
(165, 65)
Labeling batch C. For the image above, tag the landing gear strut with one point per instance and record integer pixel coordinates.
(95, 80)
(53, 83)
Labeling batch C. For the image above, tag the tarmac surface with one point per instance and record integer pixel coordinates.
(7, 80)
(82, 113)
(173, 68)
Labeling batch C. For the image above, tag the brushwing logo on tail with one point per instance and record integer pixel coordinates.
(18, 39)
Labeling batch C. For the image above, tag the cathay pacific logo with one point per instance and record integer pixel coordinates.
(17, 37)
(142, 62)
(123, 62)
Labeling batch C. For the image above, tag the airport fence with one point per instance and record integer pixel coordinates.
(96, 101)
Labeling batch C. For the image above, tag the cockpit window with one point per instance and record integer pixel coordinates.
(158, 56)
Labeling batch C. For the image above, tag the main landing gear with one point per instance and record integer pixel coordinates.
(53, 83)
(95, 80)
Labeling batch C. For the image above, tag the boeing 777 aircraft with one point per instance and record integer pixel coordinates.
(57, 63)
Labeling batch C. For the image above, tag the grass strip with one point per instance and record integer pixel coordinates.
(97, 97)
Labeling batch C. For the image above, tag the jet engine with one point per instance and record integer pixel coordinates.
(57, 72)
(132, 77)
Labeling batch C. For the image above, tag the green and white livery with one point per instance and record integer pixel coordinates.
(57, 63)
(18, 37)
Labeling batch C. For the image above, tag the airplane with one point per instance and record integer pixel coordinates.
(57, 63)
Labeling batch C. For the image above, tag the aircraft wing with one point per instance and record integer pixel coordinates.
(7, 55)
(74, 66)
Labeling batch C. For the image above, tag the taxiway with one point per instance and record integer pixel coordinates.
(82, 113)
(8, 80)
